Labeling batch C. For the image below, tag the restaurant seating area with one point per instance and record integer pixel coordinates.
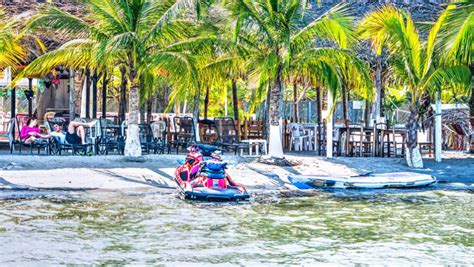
(168, 132)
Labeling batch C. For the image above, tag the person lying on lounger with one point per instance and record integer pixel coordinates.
(76, 133)
(59, 134)
(30, 132)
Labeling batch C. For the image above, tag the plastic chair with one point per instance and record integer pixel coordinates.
(298, 137)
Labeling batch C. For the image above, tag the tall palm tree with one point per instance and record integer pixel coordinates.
(413, 64)
(145, 36)
(275, 28)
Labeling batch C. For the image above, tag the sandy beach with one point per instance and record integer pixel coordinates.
(156, 172)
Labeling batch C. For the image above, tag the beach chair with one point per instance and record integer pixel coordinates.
(12, 141)
(147, 141)
(185, 134)
(298, 138)
(40, 143)
(228, 137)
(56, 146)
(158, 129)
(110, 137)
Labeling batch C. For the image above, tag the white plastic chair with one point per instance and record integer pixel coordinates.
(298, 137)
(158, 128)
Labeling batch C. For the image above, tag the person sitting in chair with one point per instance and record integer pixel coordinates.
(58, 133)
(76, 133)
(30, 132)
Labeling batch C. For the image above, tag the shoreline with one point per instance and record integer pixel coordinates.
(25, 172)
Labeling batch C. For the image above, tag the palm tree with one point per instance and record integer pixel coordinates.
(413, 64)
(273, 28)
(456, 37)
(143, 36)
(12, 52)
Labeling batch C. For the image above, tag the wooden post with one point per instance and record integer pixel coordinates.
(30, 97)
(295, 103)
(319, 121)
(95, 79)
(104, 95)
(72, 101)
(239, 130)
(88, 92)
(246, 129)
(13, 110)
(438, 126)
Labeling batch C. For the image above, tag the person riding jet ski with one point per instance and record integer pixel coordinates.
(207, 179)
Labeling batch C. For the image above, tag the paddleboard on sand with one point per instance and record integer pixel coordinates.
(364, 181)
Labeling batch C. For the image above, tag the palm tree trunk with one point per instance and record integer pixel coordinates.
(123, 94)
(295, 102)
(235, 100)
(197, 98)
(149, 107)
(413, 155)
(133, 149)
(196, 102)
(142, 113)
(345, 117)
(267, 112)
(276, 95)
(206, 103)
(376, 109)
(471, 106)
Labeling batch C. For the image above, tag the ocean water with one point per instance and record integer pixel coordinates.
(417, 227)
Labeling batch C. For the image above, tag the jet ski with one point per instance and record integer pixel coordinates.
(364, 181)
(206, 179)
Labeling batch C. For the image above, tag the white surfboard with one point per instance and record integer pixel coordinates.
(366, 181)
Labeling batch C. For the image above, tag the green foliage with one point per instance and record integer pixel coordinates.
(191, 45)
(414, 65)
(12, 52)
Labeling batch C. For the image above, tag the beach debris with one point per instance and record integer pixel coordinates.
(282, 162)
(11, 165)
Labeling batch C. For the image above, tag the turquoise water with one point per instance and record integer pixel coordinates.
(414, 227)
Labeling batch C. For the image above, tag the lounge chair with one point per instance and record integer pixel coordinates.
(110, 137)
(40, 143)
